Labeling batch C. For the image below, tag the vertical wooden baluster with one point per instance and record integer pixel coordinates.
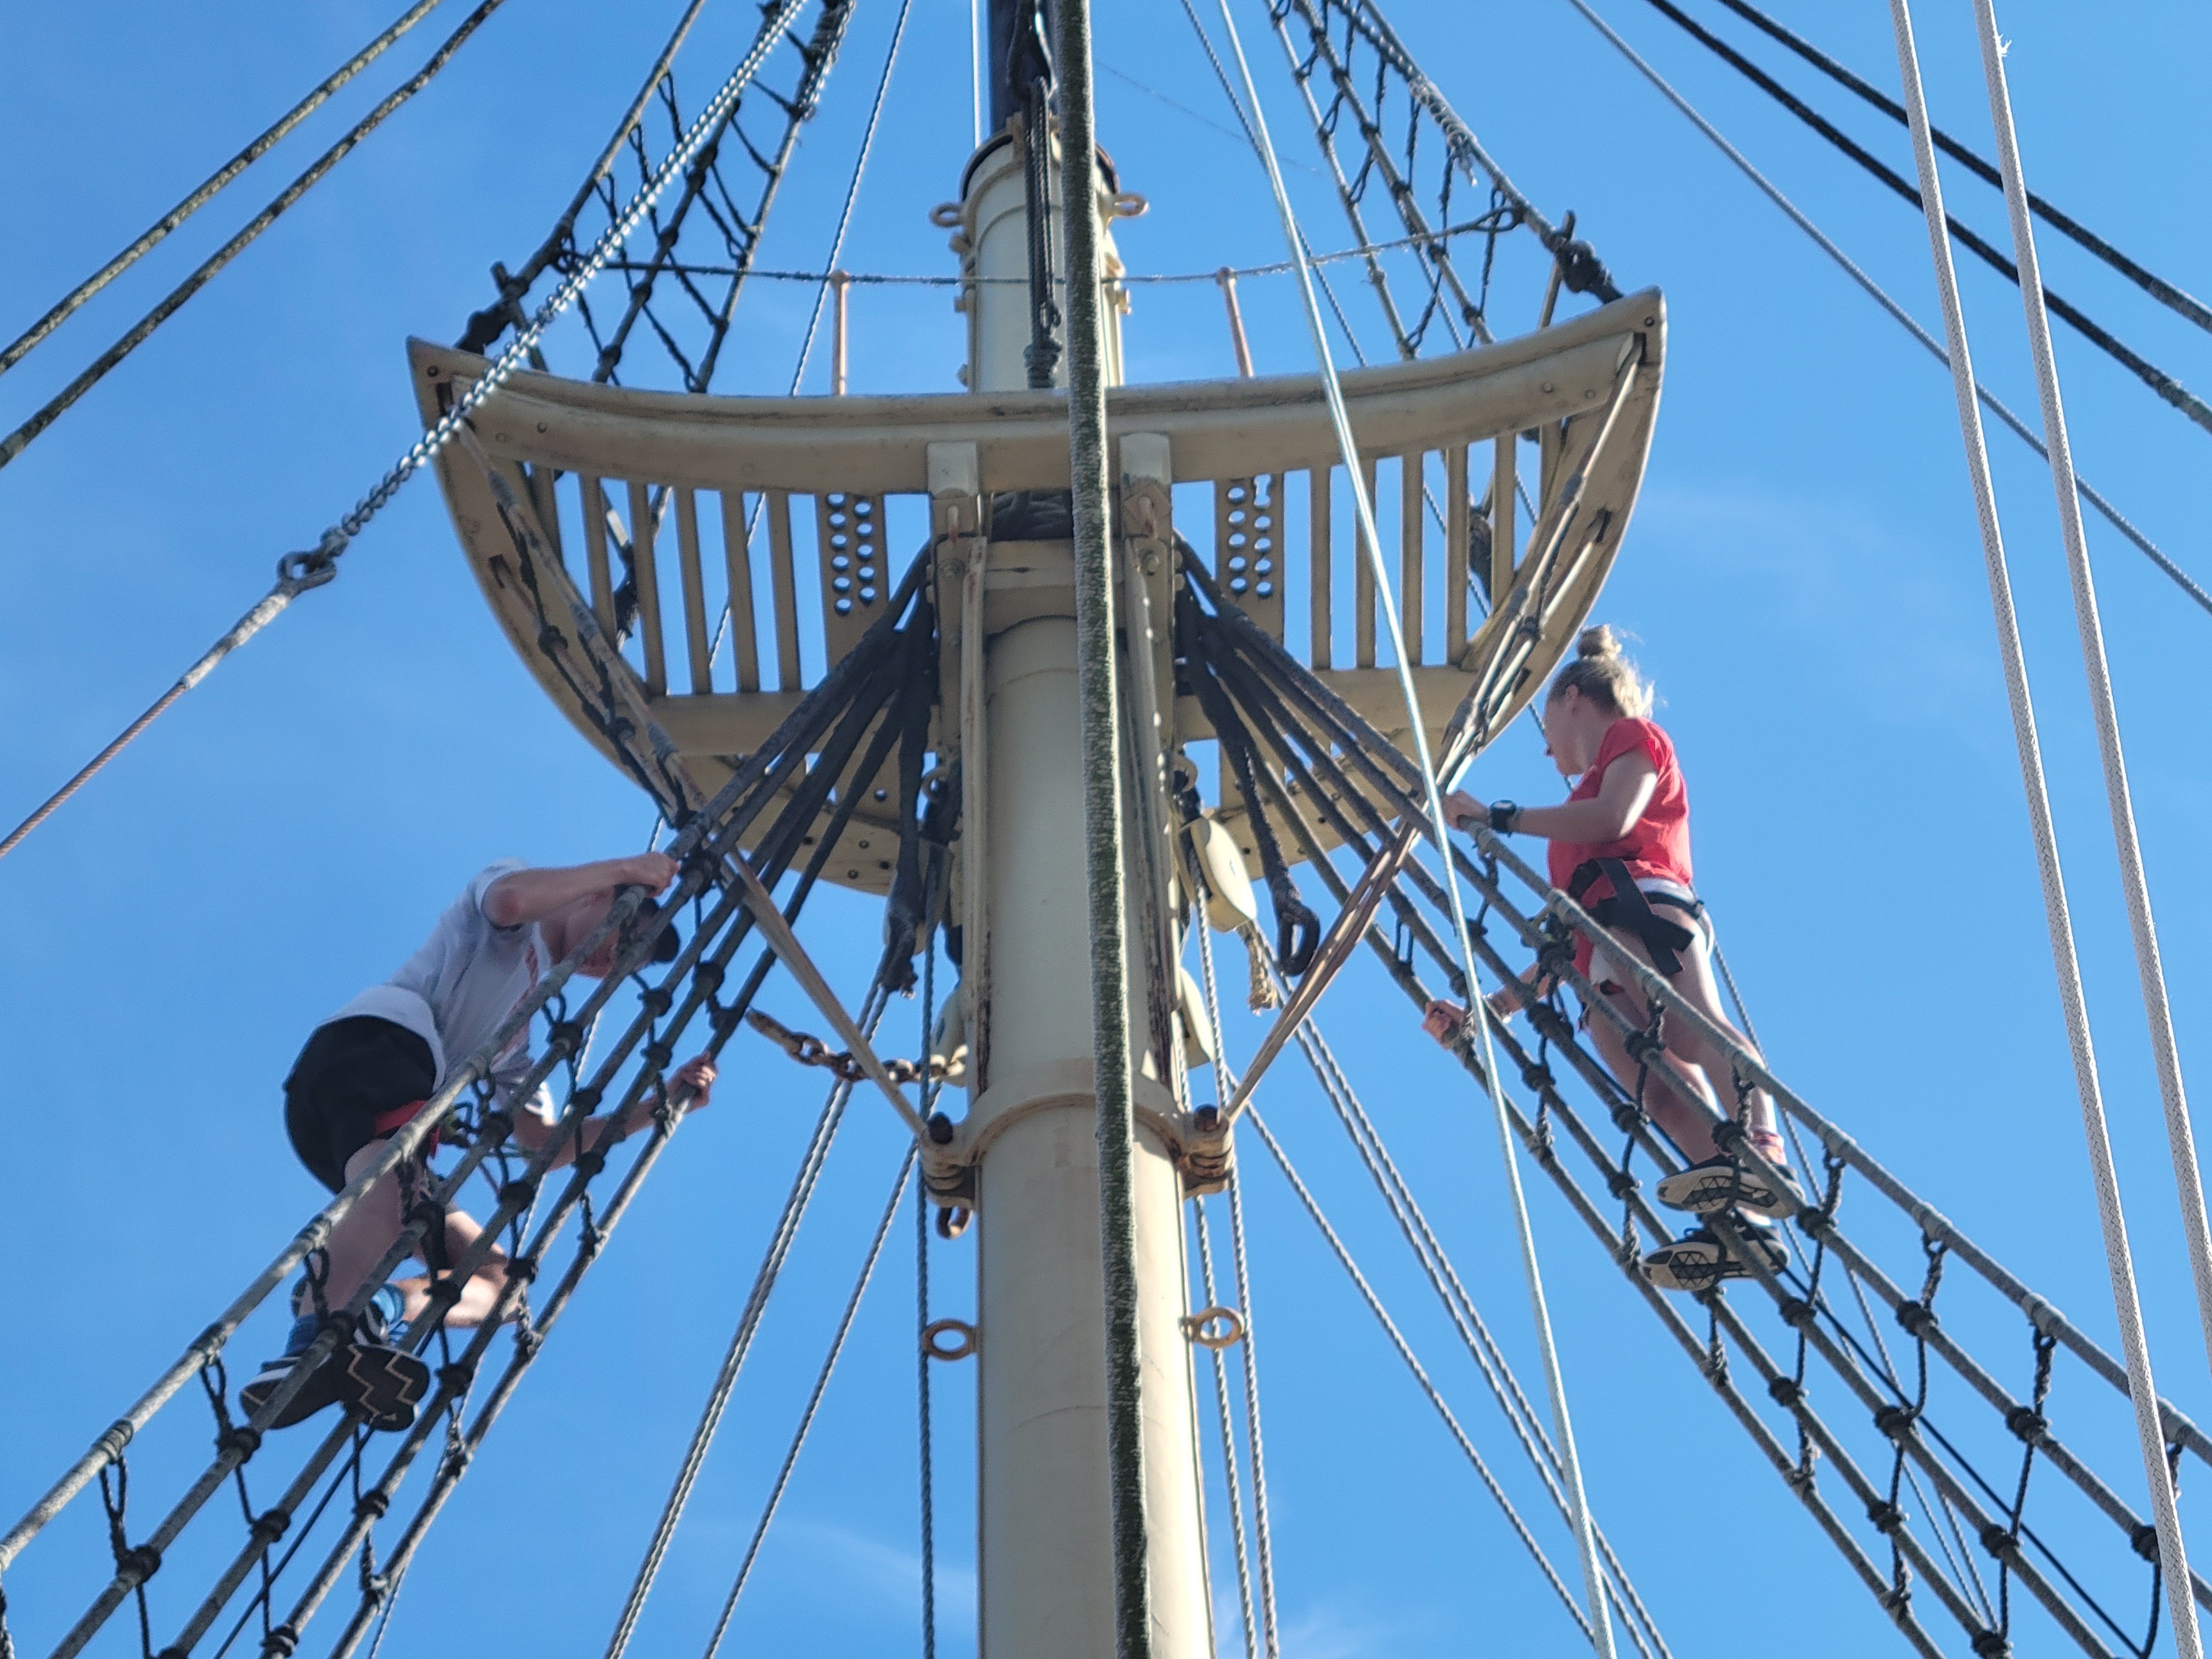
(595, 551)
(1317, 532)
(695, 591)
(736, 558)
(1457, 514)
(1363, 583)
(1412, 526)
(545, 497)
(1504, 491)
(786, 590)
(648, 587)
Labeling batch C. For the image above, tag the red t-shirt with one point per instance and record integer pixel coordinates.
(1658, 843)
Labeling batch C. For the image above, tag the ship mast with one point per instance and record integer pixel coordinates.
(1046, 1564)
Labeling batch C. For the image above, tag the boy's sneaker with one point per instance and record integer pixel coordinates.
(1699, 1259)
(1721, 1183)
(319, 1390)
(370, 1373)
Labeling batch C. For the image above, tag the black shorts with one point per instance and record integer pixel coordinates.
(352, 1072)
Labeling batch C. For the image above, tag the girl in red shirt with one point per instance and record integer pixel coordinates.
(1621, 847)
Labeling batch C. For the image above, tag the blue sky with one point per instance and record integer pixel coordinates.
(1802, 577)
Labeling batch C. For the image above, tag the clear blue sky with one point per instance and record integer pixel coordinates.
(1802, 575)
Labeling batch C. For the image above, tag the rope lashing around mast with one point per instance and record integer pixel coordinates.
(63, 308)
(1882, 297)
(2112, 1215)
(59, 404)
(1099, 701)
(2134, 886)
(2157, 288)
(774, 1499)
(299, 572)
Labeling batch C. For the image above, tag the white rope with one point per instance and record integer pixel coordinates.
(1242, 1545)
(2187, 1180)
(2118, 1262)
(1224, 1081)
(741, 1341)
(813, 1402)
(1903, 319)
(1599, 1623)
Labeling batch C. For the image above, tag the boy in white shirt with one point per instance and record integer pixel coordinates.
(369, 1068)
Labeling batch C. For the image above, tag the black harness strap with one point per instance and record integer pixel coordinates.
(1628, 908)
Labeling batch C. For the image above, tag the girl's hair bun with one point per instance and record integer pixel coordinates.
(1601, 673)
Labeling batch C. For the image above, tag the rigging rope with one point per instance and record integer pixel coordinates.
(298, 572)
(2112, 1218)
(1347, 444)
(786, 1232)
(1881, 297)
(61, 311)
(2144, 370)
(1248, 1358)
(2160, 289)
(814, 1399)
(59, 404)
(2165, 1052)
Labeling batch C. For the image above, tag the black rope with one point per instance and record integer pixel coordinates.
(2157, 287)
(2143, 369)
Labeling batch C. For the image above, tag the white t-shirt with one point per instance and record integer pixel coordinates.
(461, 986)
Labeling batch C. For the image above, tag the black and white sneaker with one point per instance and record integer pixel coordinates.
(1721, 1183)
(1699, 1259)
(319, 1390)
(380, 1380)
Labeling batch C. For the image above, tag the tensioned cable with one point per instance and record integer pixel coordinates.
(299, 572)
(2118, 1262)
(1412, 1363)
(2157, 287)
(780, 1240)
(63, 308)
(2188, 1182)
(814, 1400)
(1248, 1361)
(2095, 332)
(16, 441)
(1599, 1623)
(1881, 297)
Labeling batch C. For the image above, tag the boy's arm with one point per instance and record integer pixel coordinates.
(522, 897)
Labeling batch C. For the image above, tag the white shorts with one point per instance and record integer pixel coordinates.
(1604, 970)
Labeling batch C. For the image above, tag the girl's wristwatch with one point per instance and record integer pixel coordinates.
(1504, 816)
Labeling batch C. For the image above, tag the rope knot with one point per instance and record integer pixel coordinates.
(1990, 1644)
(1999, 1542)
(372, 1505)
(1896, 1421)
(139, 1563)
(2026, 1422)
(1917, 1317)
(270, 1525)
(298, 572)
(1620, 1183)
(1786, 1391)
(1886, 1516)
(2144, 1541)
(1796, 1313)
(238, 1439)
(282, 1641)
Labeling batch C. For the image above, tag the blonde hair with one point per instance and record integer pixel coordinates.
(1601, 673)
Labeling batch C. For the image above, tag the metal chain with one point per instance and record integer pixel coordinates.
(811, 1050)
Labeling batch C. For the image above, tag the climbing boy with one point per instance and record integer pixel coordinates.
(368, 1069)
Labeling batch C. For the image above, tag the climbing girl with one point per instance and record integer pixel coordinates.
(1621, 847)
(368, 1069)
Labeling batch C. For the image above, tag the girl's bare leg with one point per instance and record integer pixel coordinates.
(359, 1241)
(1677, 1094)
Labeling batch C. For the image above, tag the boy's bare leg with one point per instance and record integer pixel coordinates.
(482, 1292)
(358, 1242)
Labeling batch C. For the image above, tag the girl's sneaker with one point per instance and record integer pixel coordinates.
(1699, 1259)
(1721, 1183)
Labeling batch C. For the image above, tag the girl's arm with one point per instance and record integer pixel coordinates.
(1622, 795)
